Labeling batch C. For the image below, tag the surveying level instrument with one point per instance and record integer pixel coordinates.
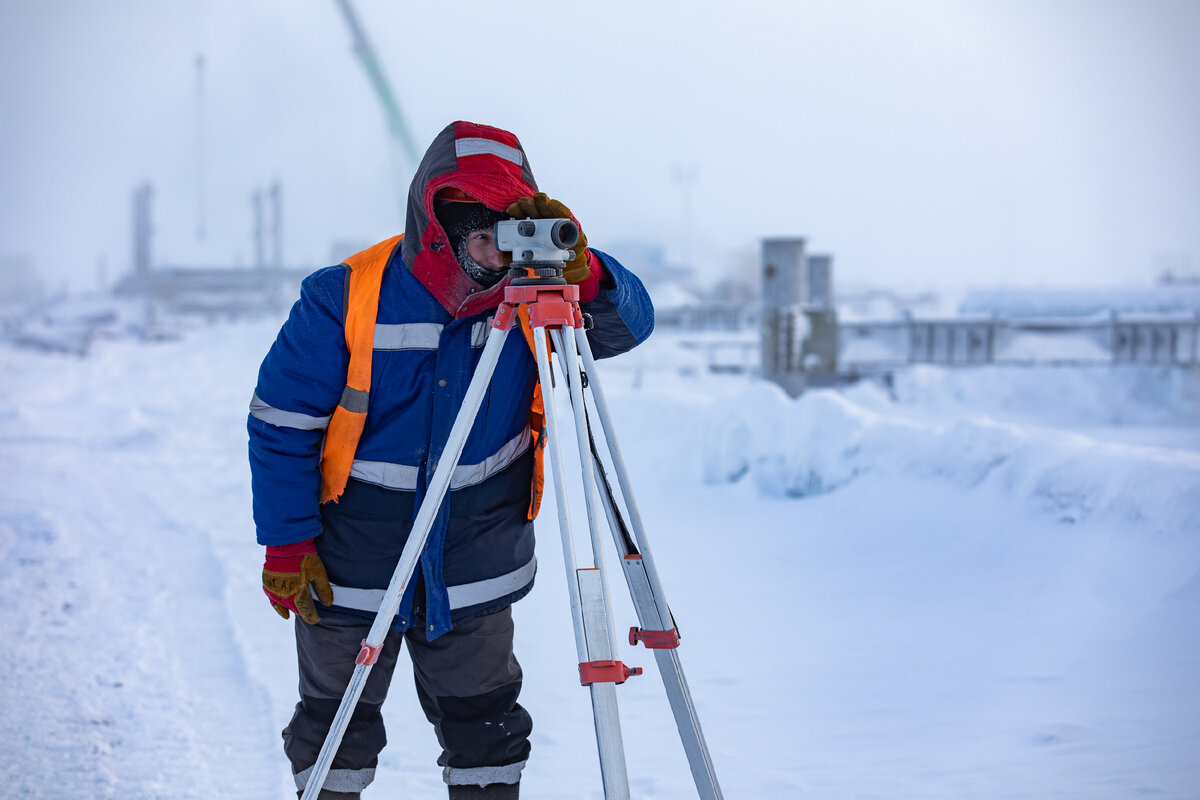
(539, 249)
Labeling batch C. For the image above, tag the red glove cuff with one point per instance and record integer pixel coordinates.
(287, 557)
(589, 287)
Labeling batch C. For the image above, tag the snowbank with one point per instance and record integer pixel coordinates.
(825, 439)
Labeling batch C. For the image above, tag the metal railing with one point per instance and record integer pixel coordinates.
(868, 347)
(1116, 339)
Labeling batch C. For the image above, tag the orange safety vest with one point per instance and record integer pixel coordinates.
(346, 424)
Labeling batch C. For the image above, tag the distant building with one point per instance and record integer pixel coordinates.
(214, 291)
(211, 291)
(20, 286)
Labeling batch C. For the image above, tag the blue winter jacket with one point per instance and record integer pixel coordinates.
(480, 554)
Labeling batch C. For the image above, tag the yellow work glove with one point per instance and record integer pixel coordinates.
(541, 206)
(287, 573)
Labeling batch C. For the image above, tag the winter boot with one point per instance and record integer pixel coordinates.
(493, 791)
(328, 795)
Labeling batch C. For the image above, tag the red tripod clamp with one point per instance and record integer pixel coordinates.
(606, 672)
(550, 306)
(654, 640)
(368, 655)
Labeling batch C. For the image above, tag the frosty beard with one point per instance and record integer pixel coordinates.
(476, 271)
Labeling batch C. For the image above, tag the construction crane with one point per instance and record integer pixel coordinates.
(402, 144)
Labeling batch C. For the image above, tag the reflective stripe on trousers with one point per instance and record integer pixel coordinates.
(482, 776)
(340, 780)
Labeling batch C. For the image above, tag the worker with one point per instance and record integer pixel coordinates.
(352, 410)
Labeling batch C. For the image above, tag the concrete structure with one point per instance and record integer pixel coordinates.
(143, 230)
(799, 322)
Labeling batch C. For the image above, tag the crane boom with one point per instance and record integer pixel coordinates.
(397, 126)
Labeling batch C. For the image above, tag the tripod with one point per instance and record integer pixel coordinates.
(553, 309)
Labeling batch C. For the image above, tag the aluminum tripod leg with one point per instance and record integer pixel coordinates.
(644, 585)
(589, 602)
(438, 487)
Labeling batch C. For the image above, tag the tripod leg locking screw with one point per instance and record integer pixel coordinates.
(654, 640)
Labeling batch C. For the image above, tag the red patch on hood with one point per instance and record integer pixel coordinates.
(488, 164)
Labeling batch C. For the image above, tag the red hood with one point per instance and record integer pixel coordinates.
(487, 163)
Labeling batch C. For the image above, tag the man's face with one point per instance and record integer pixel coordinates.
(481, 246)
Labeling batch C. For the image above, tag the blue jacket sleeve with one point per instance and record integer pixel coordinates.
(299, 384)
(622, 314)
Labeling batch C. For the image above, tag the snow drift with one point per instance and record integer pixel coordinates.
(825, 439)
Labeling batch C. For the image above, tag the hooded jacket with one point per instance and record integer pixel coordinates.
(429, 334)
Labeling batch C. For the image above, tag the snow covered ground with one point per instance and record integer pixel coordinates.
(985, 584)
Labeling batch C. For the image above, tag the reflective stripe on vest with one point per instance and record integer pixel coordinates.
(346, 424)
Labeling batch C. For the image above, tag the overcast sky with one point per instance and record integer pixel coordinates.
(927, 143)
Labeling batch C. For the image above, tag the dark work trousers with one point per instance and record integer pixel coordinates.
(467, 681)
